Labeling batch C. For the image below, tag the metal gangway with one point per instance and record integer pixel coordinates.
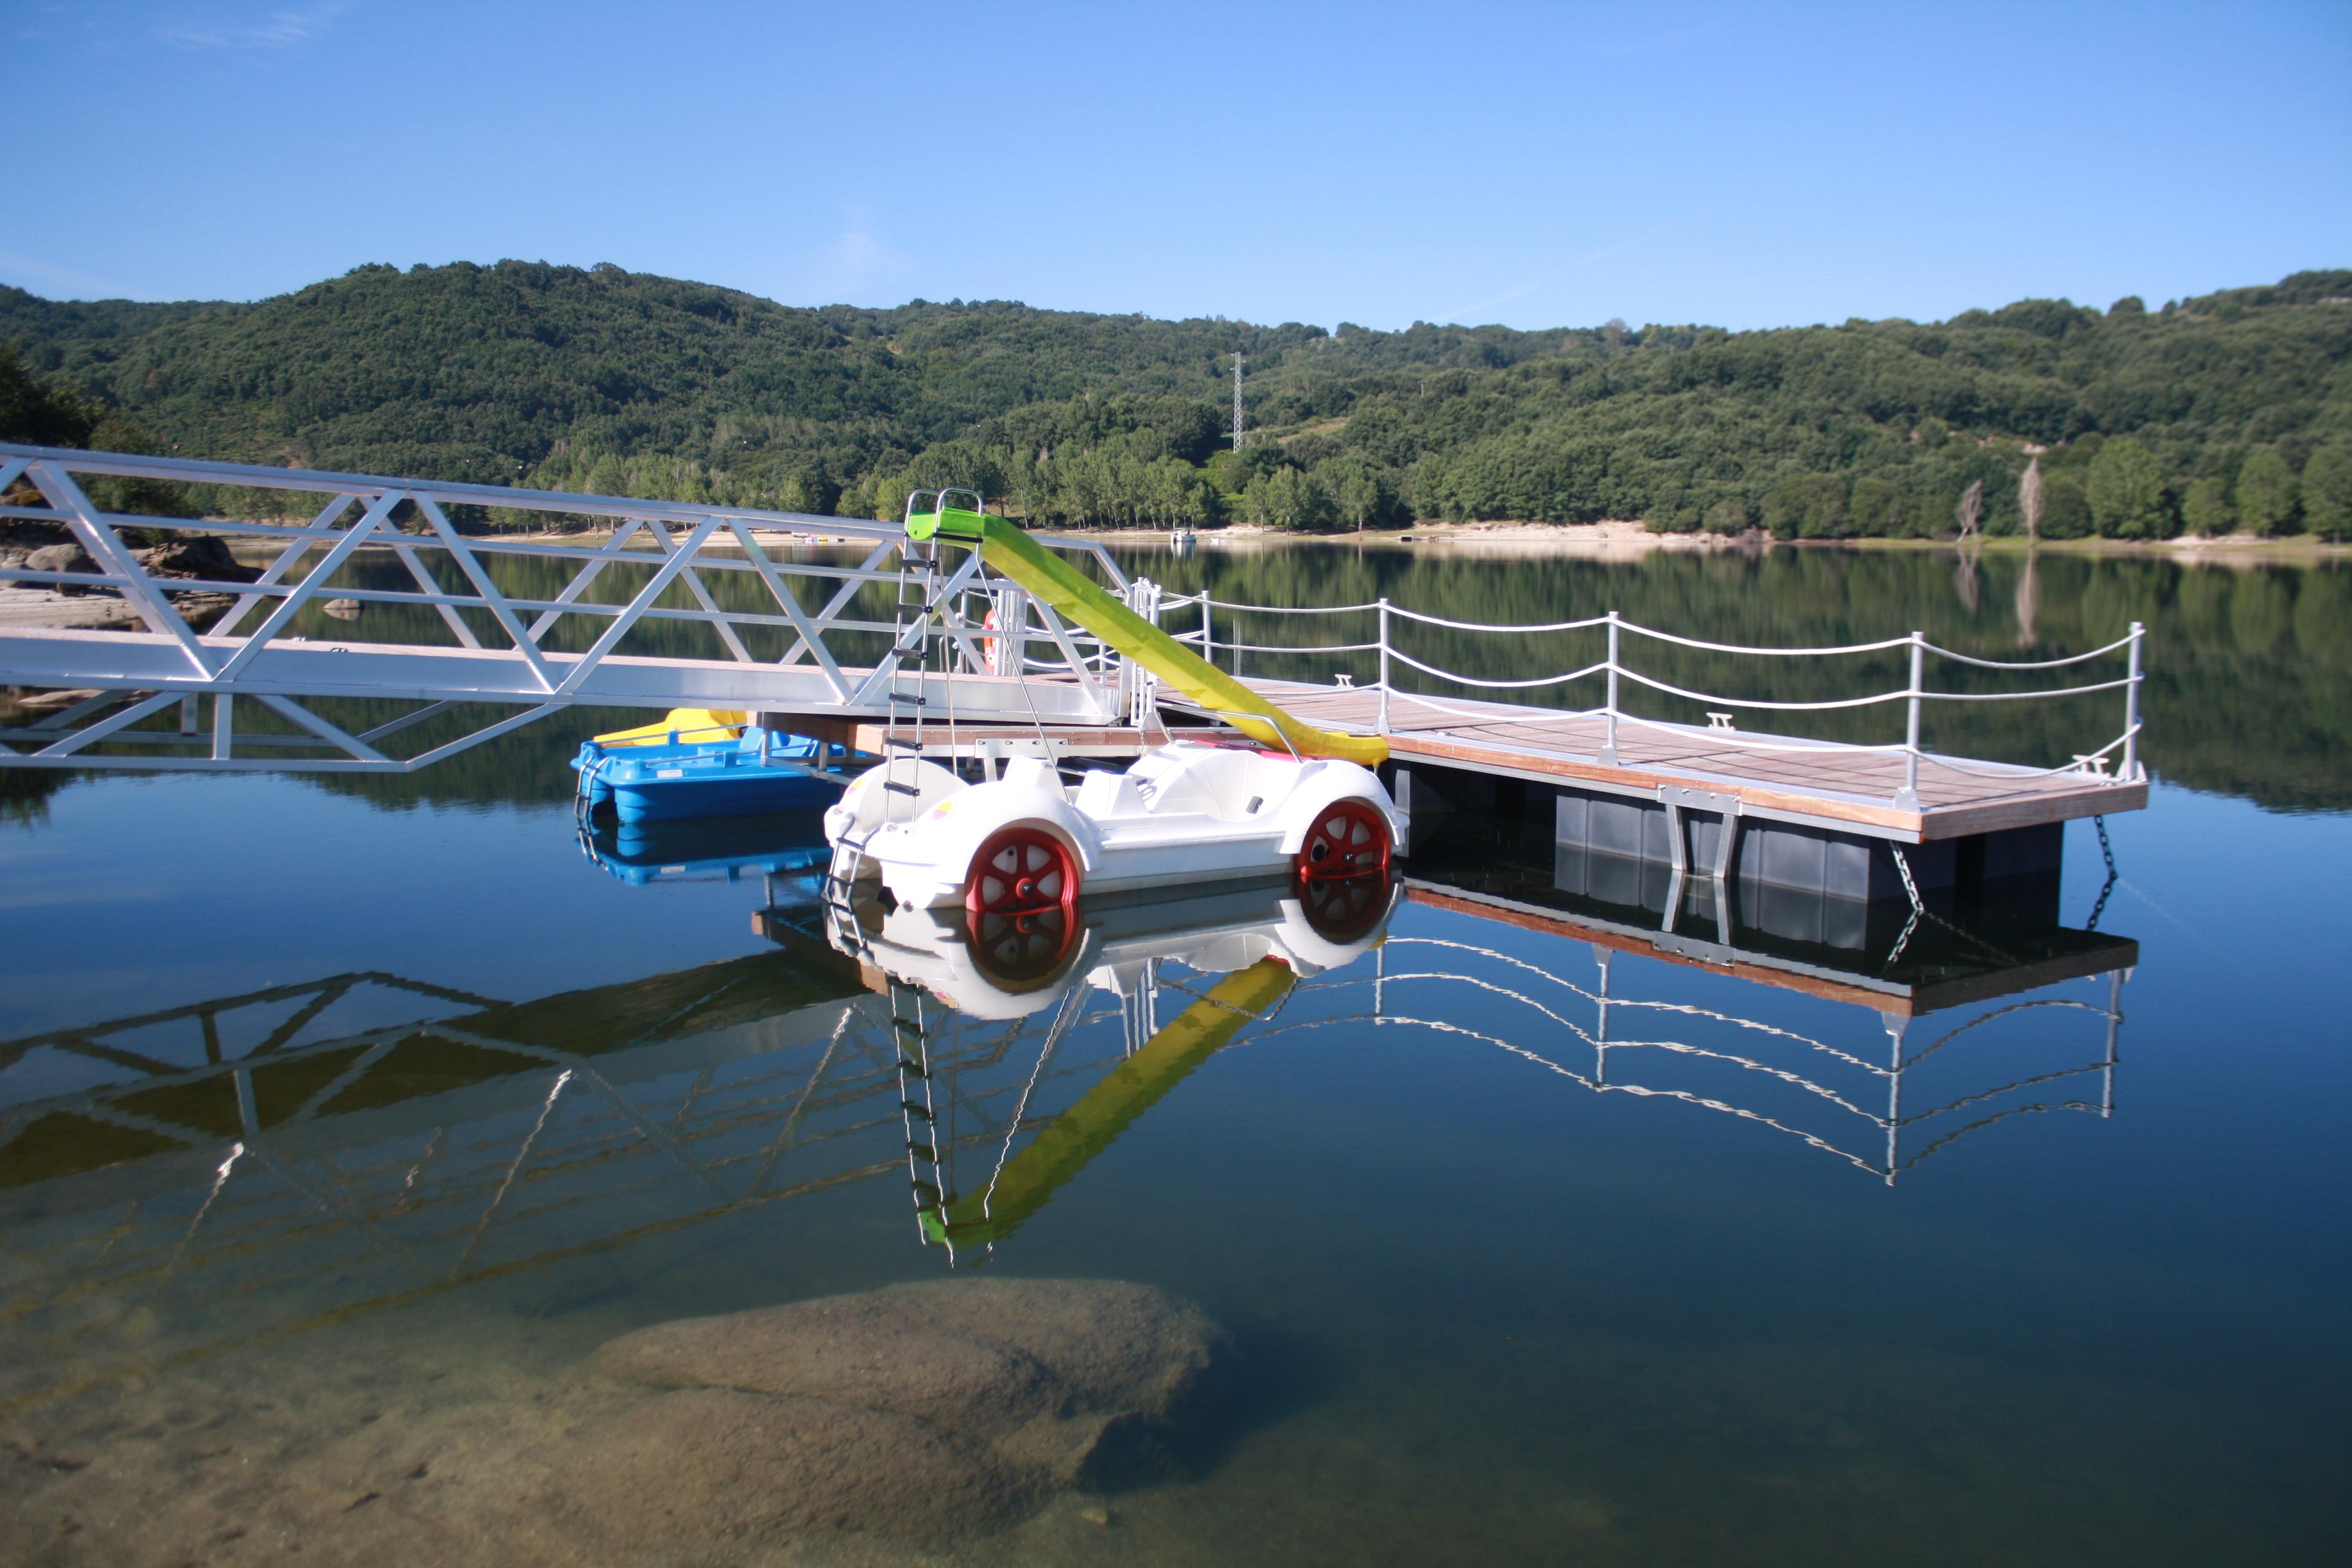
(377, 602)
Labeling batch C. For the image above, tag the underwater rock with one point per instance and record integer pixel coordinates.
(715, 1464)
(929, 1409)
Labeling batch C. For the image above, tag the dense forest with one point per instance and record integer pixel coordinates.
(2232, 411)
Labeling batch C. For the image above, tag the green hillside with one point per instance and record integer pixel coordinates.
(2233, 410)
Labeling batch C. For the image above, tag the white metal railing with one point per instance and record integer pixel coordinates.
(488, 637)
(1614, 668)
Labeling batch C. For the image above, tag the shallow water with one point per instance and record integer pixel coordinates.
(1511, 1280)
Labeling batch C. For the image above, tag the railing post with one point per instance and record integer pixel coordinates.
(2130, 770)
(1609, 746)
(1208, 634)
(1907, 797)
(1384, 667)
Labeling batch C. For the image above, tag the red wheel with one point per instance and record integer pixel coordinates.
(1349, 838)
(1021, 907)
(1021, 871)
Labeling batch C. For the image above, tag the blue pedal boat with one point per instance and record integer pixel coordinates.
(674, 781)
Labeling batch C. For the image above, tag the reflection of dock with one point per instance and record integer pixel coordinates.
(2077, 955)
(284, 1159)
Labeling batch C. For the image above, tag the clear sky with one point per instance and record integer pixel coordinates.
(1533, 164)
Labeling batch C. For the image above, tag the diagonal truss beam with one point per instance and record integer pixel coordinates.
(614, 550)
(495, 601)
(275, 573)
(312, 581)
(57, 487)
(791, 606)
(727, 634)
(658, 583)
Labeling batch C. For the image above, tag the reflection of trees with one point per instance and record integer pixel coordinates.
(2249, 669)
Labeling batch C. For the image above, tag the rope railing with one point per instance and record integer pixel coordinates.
(1914, 694)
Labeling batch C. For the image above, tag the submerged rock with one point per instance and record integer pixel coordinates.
(851, 1430)
(926, 1410)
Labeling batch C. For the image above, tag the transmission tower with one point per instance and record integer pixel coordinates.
(1237, 400)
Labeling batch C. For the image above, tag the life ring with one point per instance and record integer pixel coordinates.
(991, 647)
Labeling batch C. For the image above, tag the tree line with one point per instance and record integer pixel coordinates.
(2225, 412)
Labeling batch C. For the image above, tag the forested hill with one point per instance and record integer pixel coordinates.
(2231, 410)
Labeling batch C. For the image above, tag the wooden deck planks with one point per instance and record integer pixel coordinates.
(1958, 797)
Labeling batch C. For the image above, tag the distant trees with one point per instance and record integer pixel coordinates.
(603, 379)
(2205, 507)
(37, 411)
(2266, 493)
(2327, 492)
(2125, 490)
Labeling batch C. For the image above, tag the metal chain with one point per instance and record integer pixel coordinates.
(2106, 853)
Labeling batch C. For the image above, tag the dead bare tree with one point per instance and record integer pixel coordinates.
(1964, 576)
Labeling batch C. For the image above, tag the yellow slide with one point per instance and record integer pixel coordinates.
(1055, 582)
(1063, 1146)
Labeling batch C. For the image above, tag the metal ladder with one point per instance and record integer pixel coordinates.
(902, 737)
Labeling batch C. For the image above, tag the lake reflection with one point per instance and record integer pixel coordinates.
(1552, 1214)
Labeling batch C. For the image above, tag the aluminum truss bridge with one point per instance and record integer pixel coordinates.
(374, 617)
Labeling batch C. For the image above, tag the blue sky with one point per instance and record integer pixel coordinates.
(1534, 165)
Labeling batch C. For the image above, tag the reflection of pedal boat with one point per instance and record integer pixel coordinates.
(1262, 939)
(696, 762)
(1182, 814)
(728, 847)
(990, 968)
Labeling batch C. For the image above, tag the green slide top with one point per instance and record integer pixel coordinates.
(1056, 583)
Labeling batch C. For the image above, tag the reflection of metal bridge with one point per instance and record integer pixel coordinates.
(284, 1159)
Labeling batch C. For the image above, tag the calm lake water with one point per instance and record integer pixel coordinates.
(341, 1122)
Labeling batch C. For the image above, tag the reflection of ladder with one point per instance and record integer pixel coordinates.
(919, 1108)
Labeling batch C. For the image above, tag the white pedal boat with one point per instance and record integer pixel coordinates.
(1182, 814)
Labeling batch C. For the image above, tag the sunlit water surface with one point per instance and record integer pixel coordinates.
(1509, 1280)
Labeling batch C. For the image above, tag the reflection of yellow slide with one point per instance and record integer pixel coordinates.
(1055, 582)
(1063, 1145)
